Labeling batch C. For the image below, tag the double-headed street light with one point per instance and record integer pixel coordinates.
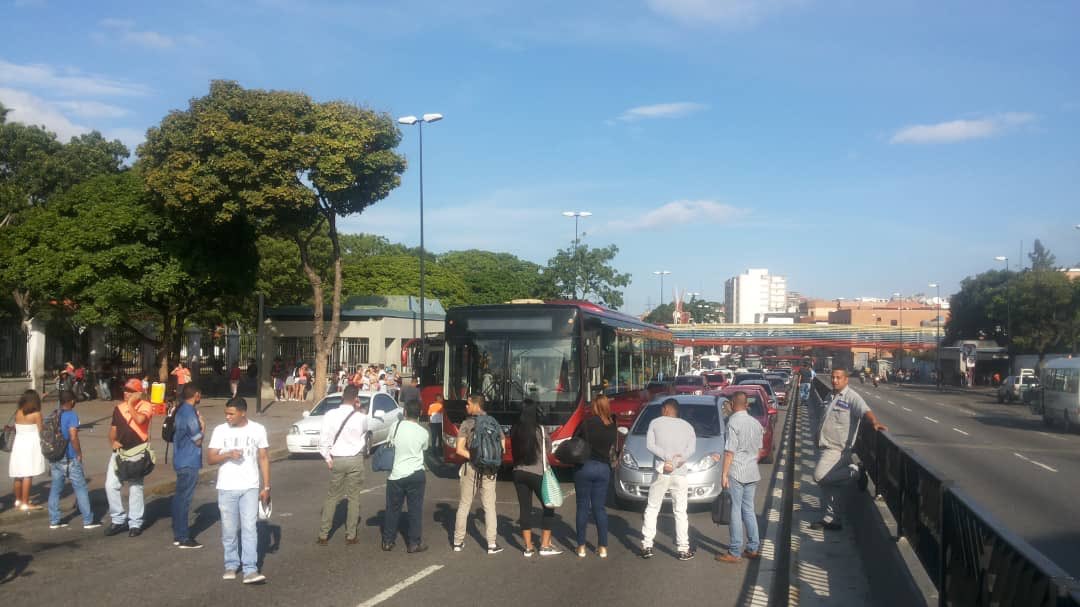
(1008, 310)
(419, 122)
(661, 274)
(937, 321)
(900, 310)
(577, 215)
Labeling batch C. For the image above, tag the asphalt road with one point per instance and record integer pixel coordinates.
(1025, 474)
(71, 566)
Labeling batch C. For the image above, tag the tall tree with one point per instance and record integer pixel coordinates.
(589, 272)
(281, 162)
(400, 275)
(1042, 311)
(1041, 257)
(980, 309)
(493, 277)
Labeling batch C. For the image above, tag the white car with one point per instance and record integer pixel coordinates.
(303, 436)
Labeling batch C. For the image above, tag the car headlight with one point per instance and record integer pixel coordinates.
(703, 464)
(698, 392)
(627, 461)
(294, 430)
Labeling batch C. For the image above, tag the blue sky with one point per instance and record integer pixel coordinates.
(859, 148)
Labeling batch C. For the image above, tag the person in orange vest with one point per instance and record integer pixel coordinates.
(435, 417)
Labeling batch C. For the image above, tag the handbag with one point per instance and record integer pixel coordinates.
(7, 436)
(721, 508)
(550, 491)
(573, 451)
(383, 458)
(135, 463)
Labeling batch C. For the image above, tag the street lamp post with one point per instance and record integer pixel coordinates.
(900, 311)
(661, 274)
(577, 257)
(1008, 310)
(419, 122)
(937, 321)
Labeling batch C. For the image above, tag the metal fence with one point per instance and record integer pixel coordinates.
(348, 352)
(971, 557)
(12, 349)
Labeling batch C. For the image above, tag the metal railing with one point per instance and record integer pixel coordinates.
(970, 556)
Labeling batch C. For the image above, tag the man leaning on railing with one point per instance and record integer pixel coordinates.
(839, 427)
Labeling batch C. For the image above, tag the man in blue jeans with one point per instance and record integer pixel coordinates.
(740, 477)
(70, 466)
(187, 460)
(240, 446)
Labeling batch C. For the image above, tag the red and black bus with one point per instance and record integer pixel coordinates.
(558, 354)
(423, 359)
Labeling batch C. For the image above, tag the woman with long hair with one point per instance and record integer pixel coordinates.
(529, 446)
(591, 478)
(26, 459)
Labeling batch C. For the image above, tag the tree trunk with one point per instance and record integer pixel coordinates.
(161, 359)
(318, 331)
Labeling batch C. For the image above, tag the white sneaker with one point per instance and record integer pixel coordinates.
(91, 526)
(254, 578)
(58, 526)
(228, 575)
(549, 551)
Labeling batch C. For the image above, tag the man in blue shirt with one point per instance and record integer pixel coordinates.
(187, 460)
(70, 466)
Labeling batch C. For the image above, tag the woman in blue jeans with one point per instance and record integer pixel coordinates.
(591, 478)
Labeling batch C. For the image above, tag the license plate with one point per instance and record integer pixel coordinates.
(313, 442)
(647, 478)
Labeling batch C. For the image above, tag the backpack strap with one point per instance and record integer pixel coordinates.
(394, 433)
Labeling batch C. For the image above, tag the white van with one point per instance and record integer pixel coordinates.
(1061, 392)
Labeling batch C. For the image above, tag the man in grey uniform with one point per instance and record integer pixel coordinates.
(839, 427)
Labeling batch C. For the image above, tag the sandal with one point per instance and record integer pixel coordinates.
(602, 552)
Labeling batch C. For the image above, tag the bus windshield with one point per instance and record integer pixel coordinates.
(507, 369)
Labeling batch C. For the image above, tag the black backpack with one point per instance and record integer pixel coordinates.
(486, 445)
(53, 442)
(168, 425)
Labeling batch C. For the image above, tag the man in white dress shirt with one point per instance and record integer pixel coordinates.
(343, 444)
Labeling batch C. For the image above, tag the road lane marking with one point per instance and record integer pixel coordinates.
(1031, 461)
(961, 431)
(1050, 435)
(906, 409)
(891, 403)
(398, 587)
(930, 419)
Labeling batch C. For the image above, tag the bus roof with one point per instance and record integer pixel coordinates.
(1063, 363)
(587, 307)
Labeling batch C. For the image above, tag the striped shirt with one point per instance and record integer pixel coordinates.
(744, 436)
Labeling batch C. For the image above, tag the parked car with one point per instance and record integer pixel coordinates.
(740, 377)
(303, 436)
(779, 387)
(773, 399)
(756, 401)
(691, 384)
(636, 468)
(1014, 387)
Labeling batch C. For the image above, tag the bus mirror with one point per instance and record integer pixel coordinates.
(592, 356)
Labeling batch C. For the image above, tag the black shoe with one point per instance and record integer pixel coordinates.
(134, 532)
(646, 553)
(189, 545)
(387, 546)
(417, 548)
(686, 556)
(827, 525)
(112, 530)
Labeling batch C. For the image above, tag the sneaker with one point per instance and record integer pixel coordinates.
(494, 549)
(91, 526)
(176, 542)
(228, 575)
(254, 578)
(728, 558)
(550, 551)
(416, 548)
(387, 546)
(459, 547)
(529, 552)
(646, 553)
(601, 552)
(135, 532)
(189, 544)
(57, 525)
(581, 551)
(686, 555)
(115, 529)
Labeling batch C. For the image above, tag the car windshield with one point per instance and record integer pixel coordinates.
(777, 384)
(704, 418)
(714, 378)
(741, 377)
(688, 380)
(333, 402)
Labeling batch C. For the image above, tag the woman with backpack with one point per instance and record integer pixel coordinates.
(591, 478)
(26, 459)
(530, 448)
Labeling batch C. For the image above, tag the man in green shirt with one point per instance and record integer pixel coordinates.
(407, 480)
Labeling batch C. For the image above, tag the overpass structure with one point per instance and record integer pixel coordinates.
(807, 336)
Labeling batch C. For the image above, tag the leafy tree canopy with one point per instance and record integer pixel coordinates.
(586, 271)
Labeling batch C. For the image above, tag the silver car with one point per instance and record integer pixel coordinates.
(636, 468)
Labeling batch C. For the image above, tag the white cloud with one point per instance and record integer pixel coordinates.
(92, 109)
(718, 12)
(68, 83)
(955, 131)
(681, 212)
(125, 29)
(31, 110)
(662, 110)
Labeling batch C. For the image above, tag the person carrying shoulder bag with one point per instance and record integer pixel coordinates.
(591, 479)
(131, 460)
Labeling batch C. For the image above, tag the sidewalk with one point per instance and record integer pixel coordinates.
(95, 416)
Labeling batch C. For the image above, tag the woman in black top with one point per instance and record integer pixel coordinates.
(529, 447)
(592, 478)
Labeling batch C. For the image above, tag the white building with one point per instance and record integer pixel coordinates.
(753, 294)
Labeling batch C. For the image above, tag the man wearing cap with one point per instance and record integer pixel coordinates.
(130, 428)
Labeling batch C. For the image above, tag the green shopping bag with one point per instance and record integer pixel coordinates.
(550, 491)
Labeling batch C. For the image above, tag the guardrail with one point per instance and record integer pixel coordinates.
(970, 555)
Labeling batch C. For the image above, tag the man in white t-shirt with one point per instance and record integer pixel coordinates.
(240, 446)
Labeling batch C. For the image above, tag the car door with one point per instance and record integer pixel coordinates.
(384, 414)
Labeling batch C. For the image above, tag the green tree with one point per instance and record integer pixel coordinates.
(104, 251)
(493, 277)
(1041, 257)
(661, 314)
(588, 272)
(281, 162)
(399, 274)
(1042, 311)
(980, 309)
